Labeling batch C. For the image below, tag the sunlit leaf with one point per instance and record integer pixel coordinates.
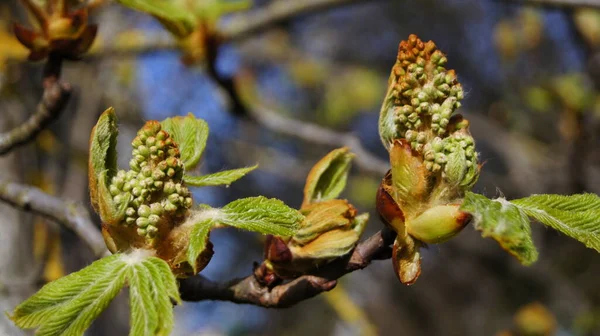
(198, 241)
(225, 177)
(577, 216)
(503, 221)
(327, 179)
(190, 134)
(68, 305)
(261, 214)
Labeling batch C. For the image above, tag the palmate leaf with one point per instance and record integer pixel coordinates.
(577, 216)
(176, 18)
(68, 305)
(225, 177)
(504, 222)
(190, 134)
(327, 179)
(261, 214)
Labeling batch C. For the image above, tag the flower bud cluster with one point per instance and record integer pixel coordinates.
(153, 187)
(454, 156)
(424, 93)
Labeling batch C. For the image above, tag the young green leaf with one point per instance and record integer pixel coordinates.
(327, 179)
(225, 177)
(261, 214)
(176, 18)
(143, 310)
(198, 239)
(577, 216)
(68, 305)
(190, 134)
(103, 156)
(504, 222)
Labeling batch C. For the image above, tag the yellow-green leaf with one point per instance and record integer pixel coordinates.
(190, 134)
(225, 177)
(327, 178)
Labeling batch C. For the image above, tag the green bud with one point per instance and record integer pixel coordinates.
(144, 211)
(142, 222)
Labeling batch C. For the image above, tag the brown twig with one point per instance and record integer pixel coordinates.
(54, 99)
(72, 215)
(249, 290)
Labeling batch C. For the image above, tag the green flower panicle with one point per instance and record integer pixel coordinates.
(432, 154)
(153, 190)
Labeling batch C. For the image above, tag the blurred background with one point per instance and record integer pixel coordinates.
(531, 74)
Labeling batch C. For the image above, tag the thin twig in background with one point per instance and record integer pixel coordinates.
(54, 99)
(244, 24)
(249, 290)
(72, 215)
(316, 134)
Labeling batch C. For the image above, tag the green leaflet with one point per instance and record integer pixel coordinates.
(103, 159)
(261, 214)
(176, 18)
(225, 177)
(190, 134)
(577, 216)
(69, 305)
(327, 179)
(198, 239)
(504, 222)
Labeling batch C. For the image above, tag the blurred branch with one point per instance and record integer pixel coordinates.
(242, 25)
(54, 99)
(249, 290)
(70, 214)
(320, 135)
(561, 3)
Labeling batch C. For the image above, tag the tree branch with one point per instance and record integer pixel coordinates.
(249, 290)
(242, 25)
(54, 99)
(312, 133)
(72, 215)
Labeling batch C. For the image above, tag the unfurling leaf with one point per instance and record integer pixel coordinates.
(152, 285)
(225, 177)
(70, 304)
(327, 179)
(179, 20)
(261, 214)
(199, 236)
(190, 134)
(503, 221)
(103, 157)
(577, 216)
(102, 166)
